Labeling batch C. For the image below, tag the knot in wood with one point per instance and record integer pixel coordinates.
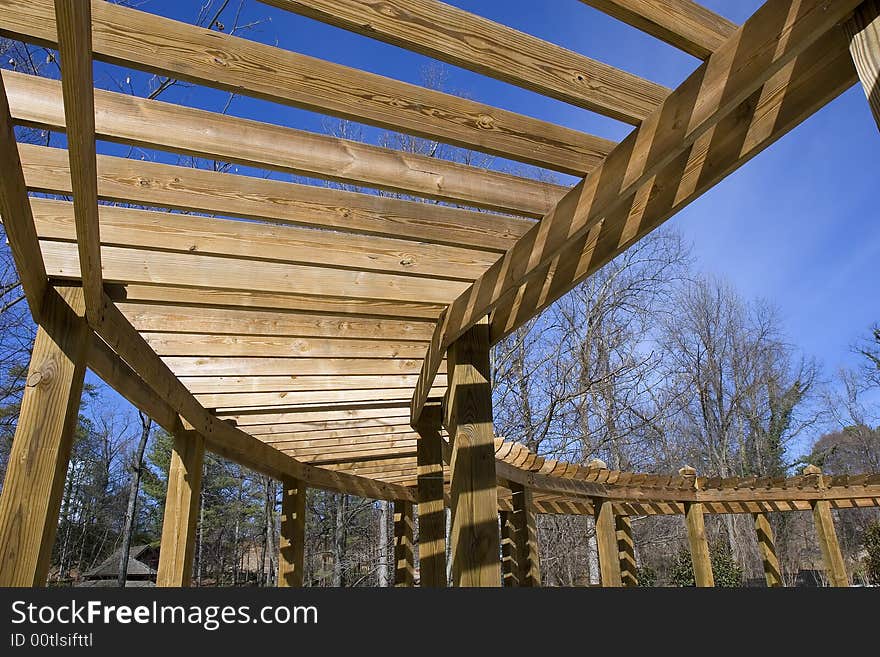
(485, 122)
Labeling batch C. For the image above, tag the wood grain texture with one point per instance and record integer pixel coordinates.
(774, 36)
(463, 39)
(767, 547)
(684, 24)
(279, 203)
(128, 37)
(863, 30)
(404, 564)
(181, 510)
(15, 211)
(298, 383)
(150, 230)
(697, 538)
(606, 542)
(37, 465)
(225, 403)
(474, 535)
(626, 549)
(153, 124)
(524, 532)
(835, 566)
(140, 266)
(431, 507)
(231, 366)
(74, 26)
(291, 548)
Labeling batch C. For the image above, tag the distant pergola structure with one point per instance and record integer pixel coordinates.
(341, 340)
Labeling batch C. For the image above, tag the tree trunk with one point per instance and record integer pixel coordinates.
(134, 487)
(382, 580)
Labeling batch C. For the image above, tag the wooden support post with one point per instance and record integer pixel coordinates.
(606, 541)
(40, 451)
(509, 565)
(696, 528)
(827, 535)
(474, 536)
(432, 510)
(525, 536)
(863, 30)
(767, 545)
(626, 550)
(293, 530)
(181, 509)
(404, 572)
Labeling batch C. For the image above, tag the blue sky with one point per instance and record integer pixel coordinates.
(797, 226)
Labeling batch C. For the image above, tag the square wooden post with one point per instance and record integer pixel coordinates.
(626, 550)
(525, 536)
(404, 572)
(181, 509)
(509, 565)
(432, 509)
(474, 536)
(767, 545)
(827, 535)
(606, 541)
(40, 452)
(863, 30)
(696, 528)
(293, 530)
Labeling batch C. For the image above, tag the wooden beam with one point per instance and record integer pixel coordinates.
(509, 564)
(404, 571)
(38, 460)
(296, 383)
(835, 567)
(293, 530)
(776, 34)
(181, 510)
(263, 366)
(340, 437)
(682, 23)
(124, 265)
(767, 546)
(146, 229)
(230, 403)
(863, 31)
(696, 530)
(15, 211)
(432, 508)
(606, 542)
(626, 549)
(525, 535)
(74, 25)
(806, 84)
(279, 206)
(126, 119)
(474, 535)
(247, 67)
(463, 39)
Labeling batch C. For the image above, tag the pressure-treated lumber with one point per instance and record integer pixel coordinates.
(461, 38)
(682, 23)
(777, 33)
(626, 549)
(509, 565)
(697, 539)
(181, 510)
(154, 124)
(230, 366)
(863, 30)
(37, 466)
(282, 204)
(293, 383)
(835, 567)
(525, 536)
(606, 542)
(293, 530)
(160, 45)
(15, 211)
(432, 508)
(474, 536)
(74, 25)
(806, 84)
(404, 568)
(767, 546)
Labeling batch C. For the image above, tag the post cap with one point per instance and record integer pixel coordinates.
(812, 470)
(688, 471)
(598, 463)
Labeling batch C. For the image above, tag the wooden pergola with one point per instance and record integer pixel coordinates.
(340, 340)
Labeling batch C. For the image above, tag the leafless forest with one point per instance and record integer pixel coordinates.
(649, 365)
